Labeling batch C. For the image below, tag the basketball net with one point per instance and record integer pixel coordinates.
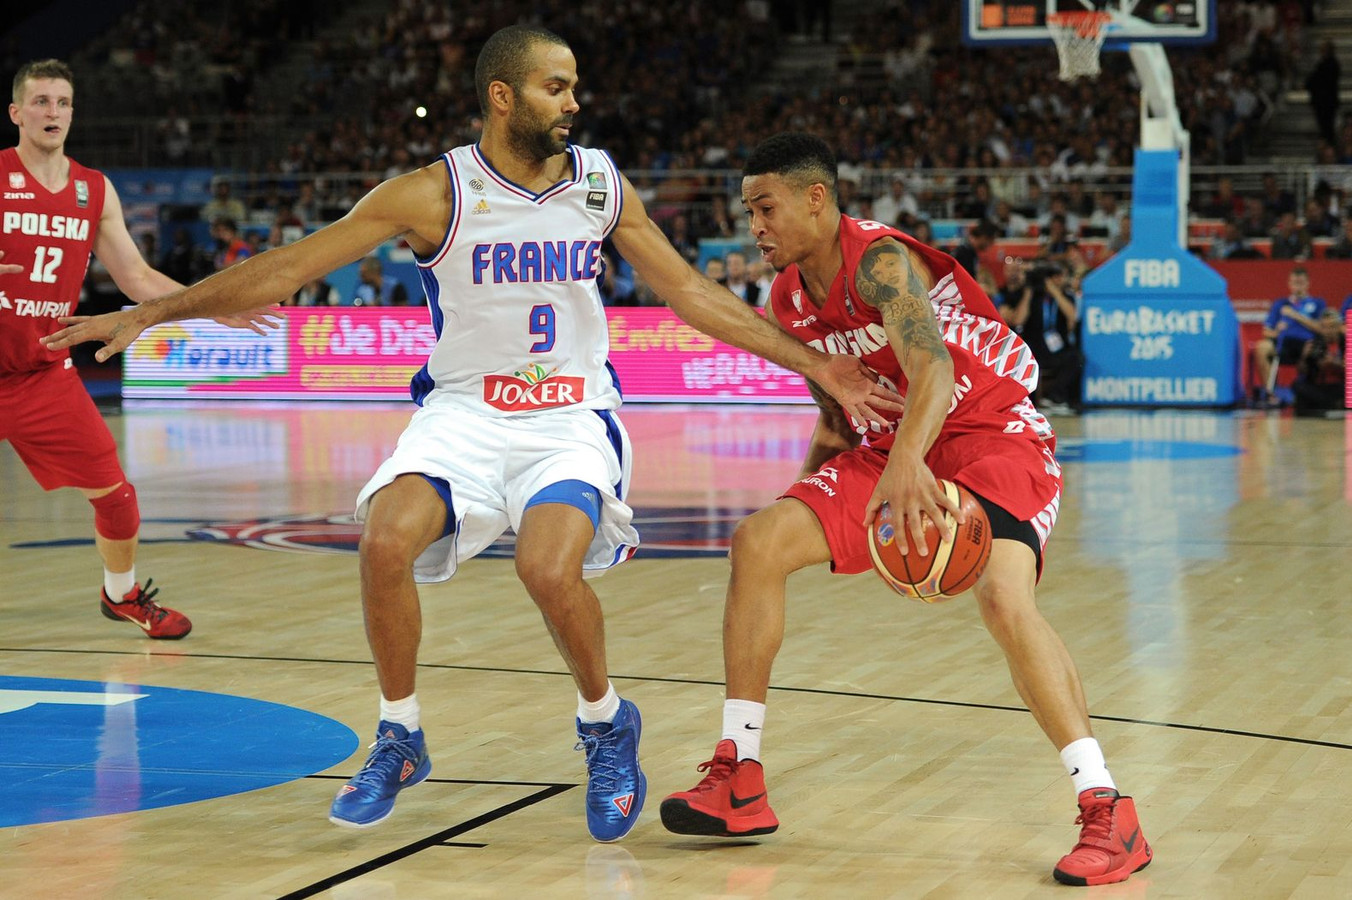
(1079, 40)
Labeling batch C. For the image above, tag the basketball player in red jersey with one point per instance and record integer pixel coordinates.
(921, 322)
(55, 212)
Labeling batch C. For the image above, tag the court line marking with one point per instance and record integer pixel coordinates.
(826, 692)
(438, 839)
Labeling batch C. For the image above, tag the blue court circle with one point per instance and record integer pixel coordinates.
(76, 749)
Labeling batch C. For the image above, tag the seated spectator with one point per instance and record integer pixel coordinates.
(1277, 200)
(739, 279)
(1292, 321)
(891, 208)
(315, 293)
(184, 262)
(1123, 235)
(1039, 304)
(1106, 222)
(1289, 239)
(1255, 222)
(1060, 206)
(1319, 222)
(230, 247)
(1225, 203)
(1009, 223)
(222, 205)
(1342, 249)
(1232, 245)
(716, 270)
(922, 231)
(375, 288)
(1322, 382)
(979, 239)
(287, 227)
(1059, 246)
(617, 282)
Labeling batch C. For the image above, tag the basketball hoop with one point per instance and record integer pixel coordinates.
(1079, 40)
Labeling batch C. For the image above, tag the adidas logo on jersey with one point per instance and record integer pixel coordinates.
(481, 208)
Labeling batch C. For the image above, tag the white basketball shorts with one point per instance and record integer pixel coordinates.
(496, 465)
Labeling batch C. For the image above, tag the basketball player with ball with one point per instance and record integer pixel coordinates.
(516, 423)
(925, 327)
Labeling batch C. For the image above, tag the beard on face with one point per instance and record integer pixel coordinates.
(531, 135)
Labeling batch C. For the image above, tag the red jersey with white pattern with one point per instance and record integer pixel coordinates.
(993, 370)
(51, 235)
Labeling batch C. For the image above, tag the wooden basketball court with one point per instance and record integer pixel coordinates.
(1199, 575)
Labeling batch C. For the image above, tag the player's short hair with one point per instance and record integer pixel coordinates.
(506, 57)
(1300, 270)
(41, 68)
(799, 157)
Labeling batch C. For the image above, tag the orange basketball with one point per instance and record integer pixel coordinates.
(949, 568)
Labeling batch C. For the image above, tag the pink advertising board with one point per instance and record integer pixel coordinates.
(364, 353)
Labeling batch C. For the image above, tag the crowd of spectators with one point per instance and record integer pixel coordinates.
(927, 129)
(682, 88)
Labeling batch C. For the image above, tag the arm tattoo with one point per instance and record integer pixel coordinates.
(887, 281)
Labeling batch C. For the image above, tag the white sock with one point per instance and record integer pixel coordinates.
(1084, 763)
(743, 721)
(401, 712)
(118, 584)
(602, 710)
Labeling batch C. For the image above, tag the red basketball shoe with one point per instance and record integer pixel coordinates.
(139, 607)
(730, 802)
(1111, 845)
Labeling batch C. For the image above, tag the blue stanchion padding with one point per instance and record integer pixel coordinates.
(76, 749)
(1157, 325)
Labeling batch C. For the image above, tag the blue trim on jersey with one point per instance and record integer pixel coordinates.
(616, 441)
(527, 192)
(615, 379)
(574, 493)
(443, 489)
(619, 192)
(450, 221)
(422, 382)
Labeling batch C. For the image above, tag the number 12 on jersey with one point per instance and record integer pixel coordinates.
(45, 261)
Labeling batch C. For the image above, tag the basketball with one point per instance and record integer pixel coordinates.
(949, 568)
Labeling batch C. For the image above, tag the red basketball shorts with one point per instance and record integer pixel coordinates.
(57, 431)
(1015, 472)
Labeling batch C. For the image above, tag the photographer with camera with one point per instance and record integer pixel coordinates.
(1040, 304)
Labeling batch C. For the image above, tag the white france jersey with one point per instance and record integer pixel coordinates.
(514, 291)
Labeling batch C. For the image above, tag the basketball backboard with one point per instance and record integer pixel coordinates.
(1170, 22)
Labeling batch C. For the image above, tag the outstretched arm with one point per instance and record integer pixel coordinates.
(897, 283)
(135, 277)
(716, 311)
(415, 205)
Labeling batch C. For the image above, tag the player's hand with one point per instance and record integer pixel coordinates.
(116, 329)
(9, 268)
(856, 388)
(912, 493)
(255, 320)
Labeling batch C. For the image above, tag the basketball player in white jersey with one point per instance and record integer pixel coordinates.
(516, 426)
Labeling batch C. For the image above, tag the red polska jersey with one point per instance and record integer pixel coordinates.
(51, 235)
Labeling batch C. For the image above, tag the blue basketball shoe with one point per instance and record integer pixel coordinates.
(399, 760)
(615, 784)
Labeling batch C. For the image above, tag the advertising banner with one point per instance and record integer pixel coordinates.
(371, 353)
